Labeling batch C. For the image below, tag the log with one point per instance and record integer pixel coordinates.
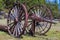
(3, 28)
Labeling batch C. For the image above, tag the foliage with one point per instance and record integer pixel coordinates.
(54, 9)
(8, 3)
(1, 4)
(29, 3)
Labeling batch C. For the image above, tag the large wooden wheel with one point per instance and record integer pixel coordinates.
(41, 11)
(16, 28)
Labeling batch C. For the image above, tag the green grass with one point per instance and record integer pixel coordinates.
(53, 34)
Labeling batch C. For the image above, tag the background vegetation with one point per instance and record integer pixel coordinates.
(8, 3)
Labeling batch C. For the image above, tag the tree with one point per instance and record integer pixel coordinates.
(8, 3)
(1, 4)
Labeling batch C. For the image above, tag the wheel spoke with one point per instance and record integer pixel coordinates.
(45, 13)
(14, 31)
(18, 31)
(10, 23)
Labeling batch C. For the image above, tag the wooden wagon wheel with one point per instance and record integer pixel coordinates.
(44, 12)
(16, 28)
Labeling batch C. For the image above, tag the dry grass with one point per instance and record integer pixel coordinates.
(53, 34)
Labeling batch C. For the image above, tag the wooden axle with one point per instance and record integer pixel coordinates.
(41, 19)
